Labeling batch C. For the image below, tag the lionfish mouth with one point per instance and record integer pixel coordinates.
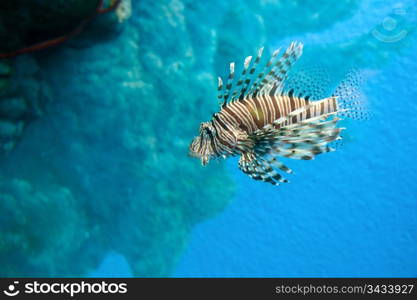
(203, 158)
(202, 152)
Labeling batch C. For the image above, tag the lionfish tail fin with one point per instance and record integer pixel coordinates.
(350, 99)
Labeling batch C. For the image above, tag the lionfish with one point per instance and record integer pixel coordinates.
(262, 117)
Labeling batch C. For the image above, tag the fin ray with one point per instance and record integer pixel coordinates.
(258, 168)
(251, 81)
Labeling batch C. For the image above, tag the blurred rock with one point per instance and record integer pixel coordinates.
(13, 108)
(117, 118)
(26, 22)
(9, 129)
(40, 229)
(23, 97)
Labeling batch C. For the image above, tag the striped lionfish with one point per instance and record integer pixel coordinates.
(262, 117)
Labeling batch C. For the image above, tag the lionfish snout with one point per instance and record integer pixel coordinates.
(197, 150)
(201, 146)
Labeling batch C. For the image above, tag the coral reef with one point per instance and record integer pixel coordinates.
(34, 39)
(124, 10)
(115, 146)
(34, 220)
(23, 92)
(23, 97)
(27, 22)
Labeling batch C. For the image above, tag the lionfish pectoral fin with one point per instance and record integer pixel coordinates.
(260, 168)
(303, 140)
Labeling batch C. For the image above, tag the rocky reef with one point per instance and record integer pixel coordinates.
(27, 22)
(102, 163)
(23, 97)
(28, 26)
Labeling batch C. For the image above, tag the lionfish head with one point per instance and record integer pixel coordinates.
(202, 145)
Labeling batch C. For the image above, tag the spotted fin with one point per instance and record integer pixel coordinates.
(350, 98)
(312, 82)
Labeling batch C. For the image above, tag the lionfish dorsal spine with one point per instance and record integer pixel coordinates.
(243, 78)
(229, 84)
(279, 72)
(220, 90)
(263, 81)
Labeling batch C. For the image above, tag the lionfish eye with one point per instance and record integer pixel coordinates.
(205, 129)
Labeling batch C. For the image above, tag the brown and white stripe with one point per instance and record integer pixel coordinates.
(260, 118)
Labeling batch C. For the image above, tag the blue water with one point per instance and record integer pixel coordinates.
(345, 214)
(349, 213)
(99, 183)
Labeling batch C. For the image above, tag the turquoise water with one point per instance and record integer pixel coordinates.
(345, 214)
(100, 183)
(349, 213)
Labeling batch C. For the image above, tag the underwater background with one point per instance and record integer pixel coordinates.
(95, 179)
